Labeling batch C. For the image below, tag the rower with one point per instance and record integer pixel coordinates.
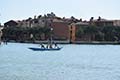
(42, 46)
(56, 45)
(50, 46)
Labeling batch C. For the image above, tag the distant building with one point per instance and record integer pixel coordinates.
(11, 23)
(103, 22)
(72, 31)
(63, 28)
(116, 22)
(60, 30)
(74, 27)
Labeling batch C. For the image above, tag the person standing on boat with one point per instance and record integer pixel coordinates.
(56, 46)
(47, 46)
(51, 46)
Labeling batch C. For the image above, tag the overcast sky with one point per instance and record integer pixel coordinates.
(22, 9)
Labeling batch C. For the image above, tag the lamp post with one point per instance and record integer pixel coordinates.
(51, 29)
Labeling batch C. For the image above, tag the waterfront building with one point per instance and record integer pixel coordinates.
(100, 22)
(63, 28)
(60, 30)
(74, 28)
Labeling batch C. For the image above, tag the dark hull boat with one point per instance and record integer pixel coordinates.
(50, 43)
(45, 49)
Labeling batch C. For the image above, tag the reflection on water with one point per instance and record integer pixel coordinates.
(73, 62)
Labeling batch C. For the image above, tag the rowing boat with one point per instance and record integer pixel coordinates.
(45, 49)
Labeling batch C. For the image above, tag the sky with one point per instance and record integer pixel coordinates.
(23, 9)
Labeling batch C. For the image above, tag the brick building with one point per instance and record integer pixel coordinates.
(60, 30)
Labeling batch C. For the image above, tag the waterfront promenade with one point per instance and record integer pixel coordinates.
(75, 42)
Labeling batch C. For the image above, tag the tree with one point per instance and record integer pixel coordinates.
(99, 36)
(91, 31)
(79, 32)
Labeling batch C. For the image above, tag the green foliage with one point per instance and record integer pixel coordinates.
(79, 32)
(106, 33)
(23, 33)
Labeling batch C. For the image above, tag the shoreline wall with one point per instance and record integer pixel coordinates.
(68, 42)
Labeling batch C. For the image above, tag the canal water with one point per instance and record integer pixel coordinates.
(72, 62)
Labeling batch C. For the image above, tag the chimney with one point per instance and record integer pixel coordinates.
(91, 19)
(99, 18)
(80, 19)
